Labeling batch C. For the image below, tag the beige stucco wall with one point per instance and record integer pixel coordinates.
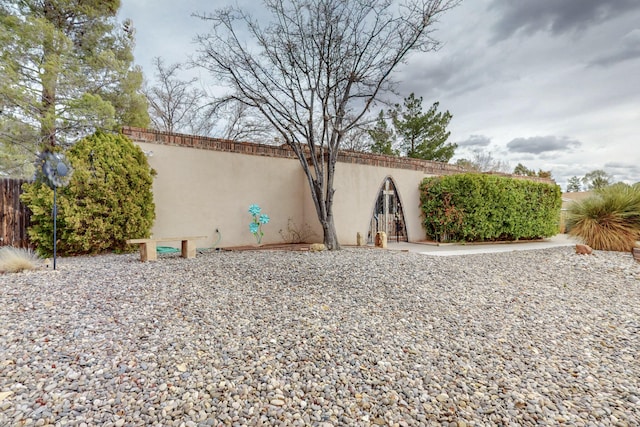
(204, 184)
(197, 191)
(357, 187)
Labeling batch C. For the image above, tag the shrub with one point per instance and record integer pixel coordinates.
(479, 207)
(295, 233)
(608, 220)
(107, 201)
(15, 260)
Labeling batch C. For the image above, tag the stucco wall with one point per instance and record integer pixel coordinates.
(357, 187)
(204, 184)
(197, 191)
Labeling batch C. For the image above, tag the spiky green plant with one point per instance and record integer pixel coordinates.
(609, 220)
(15, 260)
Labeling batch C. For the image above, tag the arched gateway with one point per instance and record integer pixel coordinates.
(387, 214)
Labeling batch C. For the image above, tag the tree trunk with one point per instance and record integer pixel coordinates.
(324, 208)
(47, 114)
(50, 60)
(322, 195)
(330, 235)
(329, 227)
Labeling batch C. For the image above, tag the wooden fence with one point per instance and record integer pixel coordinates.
(14, 215)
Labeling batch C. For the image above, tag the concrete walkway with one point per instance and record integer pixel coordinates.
(482, 248)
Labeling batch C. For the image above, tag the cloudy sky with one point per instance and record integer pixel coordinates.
(551, 84)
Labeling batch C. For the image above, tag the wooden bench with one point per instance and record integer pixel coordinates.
(148, 246)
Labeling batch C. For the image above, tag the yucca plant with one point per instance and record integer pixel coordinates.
(609, 220)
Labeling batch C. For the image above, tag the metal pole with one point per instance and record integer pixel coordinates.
(55, 214)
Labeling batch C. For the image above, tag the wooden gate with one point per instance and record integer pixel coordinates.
(388, 215)
(14, 215)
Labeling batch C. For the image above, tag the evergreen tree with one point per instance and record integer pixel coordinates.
(382, 137)
(16, 160)
(107, 201)
(424, 135)
(521, 169)
(65, 70)
(544, 174)
(574, 184)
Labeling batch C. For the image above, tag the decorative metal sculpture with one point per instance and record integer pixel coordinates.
(56, 172)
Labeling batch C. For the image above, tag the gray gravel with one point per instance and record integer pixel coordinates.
(359, 337)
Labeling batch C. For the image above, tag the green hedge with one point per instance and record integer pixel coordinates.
(477, 207)
(107, 201)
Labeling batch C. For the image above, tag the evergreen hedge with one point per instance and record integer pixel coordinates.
(478, 207)
(107, 201)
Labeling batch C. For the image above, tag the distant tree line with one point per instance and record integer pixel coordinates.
(594, 180)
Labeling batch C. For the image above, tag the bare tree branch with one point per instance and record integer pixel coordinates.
(174, 105)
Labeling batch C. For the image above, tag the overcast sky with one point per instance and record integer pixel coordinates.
(551, 84)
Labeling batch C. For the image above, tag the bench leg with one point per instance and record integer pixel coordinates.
(148, 251)
(188, 249)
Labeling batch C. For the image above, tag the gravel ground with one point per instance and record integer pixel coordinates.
(359, 337)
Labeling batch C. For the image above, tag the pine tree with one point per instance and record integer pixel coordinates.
(65, 70)
(521, 169)
(382, 137)
(424, 135)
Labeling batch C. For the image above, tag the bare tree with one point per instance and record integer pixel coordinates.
(596, 180)
(176, 105)
(316, 70)
(358, 139)
(242, 124)
(488, 163)
(483, 161)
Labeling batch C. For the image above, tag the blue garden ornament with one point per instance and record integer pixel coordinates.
(56, 172)
(63, 170)
(259, 219)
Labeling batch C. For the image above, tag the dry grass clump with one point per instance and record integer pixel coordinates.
(609, 220)
(296, 234)
(15, 260)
